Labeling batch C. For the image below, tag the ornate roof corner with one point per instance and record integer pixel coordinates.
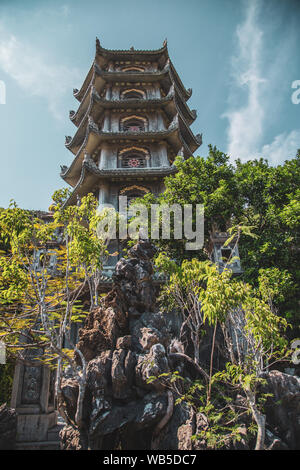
(132, 48)
(92, 124)
(71, 114)
(68, 139)
(199, 138)
(194, 113)
(98, 46)
(190, 91)
(165, 43)
(94, 93)
(63, 169)
(89, 163)
(75, 91)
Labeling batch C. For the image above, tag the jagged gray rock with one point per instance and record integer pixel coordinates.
(8, 427)
(126, 340)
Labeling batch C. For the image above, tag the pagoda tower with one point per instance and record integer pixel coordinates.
(132, 121)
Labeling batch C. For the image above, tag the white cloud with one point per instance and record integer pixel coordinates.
(246, 124)
(34, 74)
(65, 9)
(283, 147)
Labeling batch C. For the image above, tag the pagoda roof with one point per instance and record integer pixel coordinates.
(167, 72)
(93, 105)
(170, 103)
(178, 123)
(132, 52)
(102, 57)
(91, 175)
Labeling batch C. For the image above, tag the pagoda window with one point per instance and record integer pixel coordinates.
(132, 193)
(133, 94)
(132, 68)
(133, 124)
(133, 158)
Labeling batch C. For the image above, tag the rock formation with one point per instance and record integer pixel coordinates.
(8, 427)
(126, 340)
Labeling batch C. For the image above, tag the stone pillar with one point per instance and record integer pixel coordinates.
(104, 155)
(106, 123)
(160, 122)
(157, 93)
(104, 194)
(163, 154)
(33, 399)
(108, 92)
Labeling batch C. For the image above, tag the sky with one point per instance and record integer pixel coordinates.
(241, 58)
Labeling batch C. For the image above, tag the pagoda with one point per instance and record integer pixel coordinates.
(131, 123)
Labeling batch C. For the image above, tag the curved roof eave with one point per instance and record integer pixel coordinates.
(91, 125)
(72, 172)
(174, 93)
(78, 118)
(137, 76)
(90, 172)
(131, 52)
(78, 94)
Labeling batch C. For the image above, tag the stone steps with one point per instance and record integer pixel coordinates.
(52, 442)
(38, 445)
(53, 433)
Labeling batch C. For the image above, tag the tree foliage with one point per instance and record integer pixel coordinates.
(252, 194)
(44, 269)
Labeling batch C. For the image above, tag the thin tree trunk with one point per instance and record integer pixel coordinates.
(81, 393)
(260, 420)
(211, 361)
(191, 361)
(164, 421)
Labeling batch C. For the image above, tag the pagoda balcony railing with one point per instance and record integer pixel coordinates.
(133, 129)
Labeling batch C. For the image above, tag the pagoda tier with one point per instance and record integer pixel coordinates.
(178, 137)
(92, 178)
(132, 121)
(113, 124)
(109, 64)
(94, 105)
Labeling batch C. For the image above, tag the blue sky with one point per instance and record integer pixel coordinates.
(239, 57)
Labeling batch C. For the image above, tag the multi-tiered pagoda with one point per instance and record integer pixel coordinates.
(132, 121)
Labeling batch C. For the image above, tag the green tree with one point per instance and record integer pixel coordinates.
(252, 194)
(39, 299)
(252, 331)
